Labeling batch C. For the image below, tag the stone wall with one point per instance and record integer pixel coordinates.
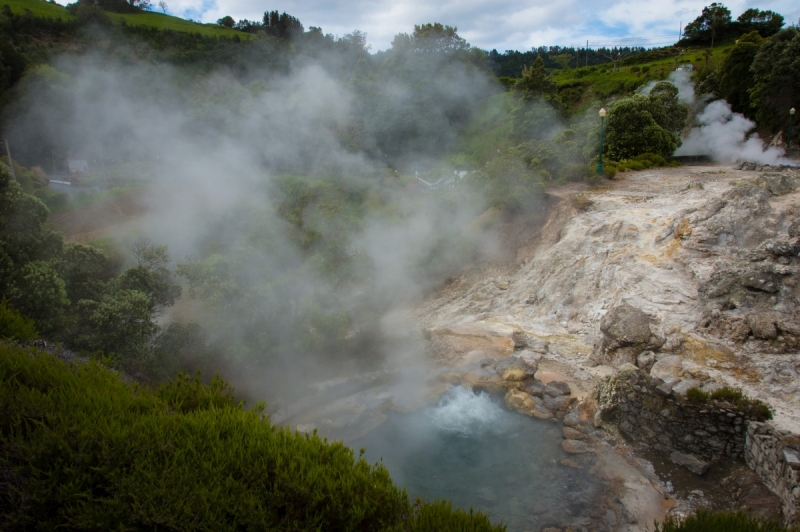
(632, 401)
(775, 457)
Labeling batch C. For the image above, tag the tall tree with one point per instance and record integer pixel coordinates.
(735, 77)
(714, 19)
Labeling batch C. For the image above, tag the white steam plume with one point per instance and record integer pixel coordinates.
(723, 135)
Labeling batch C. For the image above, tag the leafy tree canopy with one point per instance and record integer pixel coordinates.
(645, 124)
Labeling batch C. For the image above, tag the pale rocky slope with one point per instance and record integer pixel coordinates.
(707, 252)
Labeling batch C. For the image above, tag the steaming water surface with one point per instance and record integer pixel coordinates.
(471, 450)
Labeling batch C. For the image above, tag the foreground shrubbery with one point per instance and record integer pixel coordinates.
(754, 409)
(82, 449)
(704, 521)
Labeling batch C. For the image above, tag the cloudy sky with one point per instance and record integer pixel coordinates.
(502, 25)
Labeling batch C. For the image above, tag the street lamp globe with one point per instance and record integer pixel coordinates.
(791, 111)
(603, 112)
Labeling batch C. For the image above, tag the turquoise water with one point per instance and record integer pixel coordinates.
(469, 449)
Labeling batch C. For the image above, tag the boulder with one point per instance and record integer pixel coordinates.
(516, 369)
(561, 386)
(573, 434)
(520, 340)
(538, 345)
(645, 360)
(668, 366)
(625, 333)
(666, 385)
(525, 404)
(682, 387)
(690, 462)
(574, 446)
(562, 402)
(536, 388)
(777, 184)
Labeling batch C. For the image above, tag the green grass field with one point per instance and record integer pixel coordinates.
(168, 22)
(40, 8)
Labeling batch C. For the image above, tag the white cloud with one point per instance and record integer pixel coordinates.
(505, 25)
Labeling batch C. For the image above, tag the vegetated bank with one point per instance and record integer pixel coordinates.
(84, 448)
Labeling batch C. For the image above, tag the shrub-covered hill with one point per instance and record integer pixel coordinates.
(82, 449)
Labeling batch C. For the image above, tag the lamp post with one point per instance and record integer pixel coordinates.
(789, 138)
(600, 149)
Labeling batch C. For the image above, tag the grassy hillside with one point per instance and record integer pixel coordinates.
(85, 450)
(40, 8)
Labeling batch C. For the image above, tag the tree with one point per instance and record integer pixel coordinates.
(714, 19)
(535, 82)
(616, 55)
(282, 26)
(776, 74)
(226, 21)
(766, 23)
(676, 52)
(563, 59)
(645, 124)
(39, 293)
(119, 324)
(665, 95)
(163, 6)
(437, 38)
(735, 78)
(150, 276)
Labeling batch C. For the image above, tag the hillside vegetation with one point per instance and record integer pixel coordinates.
(83, 449)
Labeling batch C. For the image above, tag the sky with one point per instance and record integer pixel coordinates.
(489, 24)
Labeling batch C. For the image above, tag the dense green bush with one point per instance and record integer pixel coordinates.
(705, 521)
(14, 325)
(83, 449)
(752, 408)
(645, 124)
(696, 395)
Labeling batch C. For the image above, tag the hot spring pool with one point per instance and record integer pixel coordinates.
(469, 449)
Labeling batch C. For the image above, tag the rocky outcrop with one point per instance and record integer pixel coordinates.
(625, 334)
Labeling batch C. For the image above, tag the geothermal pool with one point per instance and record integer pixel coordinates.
(469, 449)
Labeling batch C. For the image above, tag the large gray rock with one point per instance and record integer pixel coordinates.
(682, 387)
(669, 366)
(516, 369)
(625, 333)
(574, 446)
(777, 184)
(690, 462)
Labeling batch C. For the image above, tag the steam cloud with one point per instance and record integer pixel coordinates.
(723, 135)
(216, 142)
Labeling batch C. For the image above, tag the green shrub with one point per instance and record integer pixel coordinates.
(697, 396)
(653, 158)
(705, 521)
(752, 408)
(635, 69)
(646, 68)
(581, 202)
(731, 395)
(85, 450)
(14, 325)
